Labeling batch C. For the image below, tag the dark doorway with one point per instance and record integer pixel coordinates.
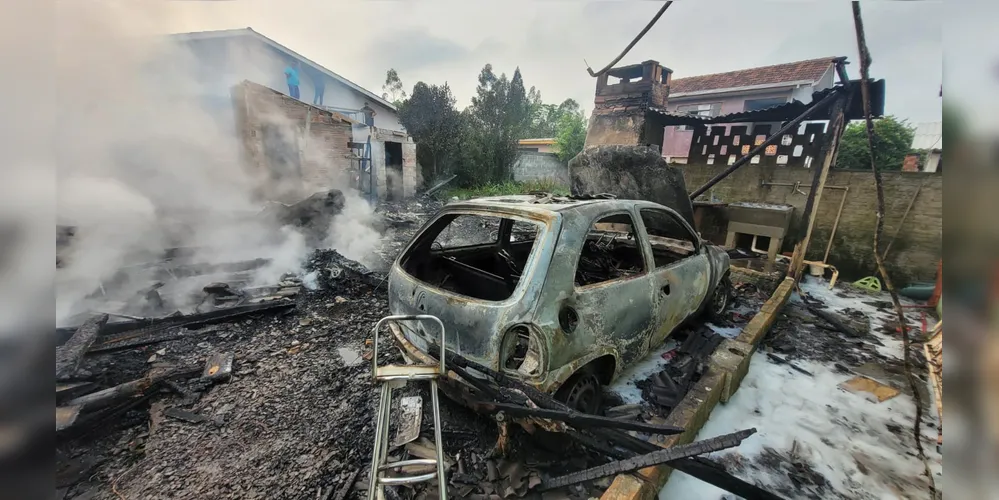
(393, 170)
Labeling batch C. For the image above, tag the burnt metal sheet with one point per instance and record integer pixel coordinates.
(410, 417)
(783, 112)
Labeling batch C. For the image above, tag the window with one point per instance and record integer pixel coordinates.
(709, 109)
(756, 104)
(477, 256)
(670, 240)
(467, 231)
(610, 252)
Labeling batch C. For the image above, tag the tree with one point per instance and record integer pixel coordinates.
(393, 90)
(491, 126)
(545, 118)
(431, 118)
(893, 140)
(571, 135)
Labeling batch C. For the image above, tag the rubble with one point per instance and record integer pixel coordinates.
(267, 390)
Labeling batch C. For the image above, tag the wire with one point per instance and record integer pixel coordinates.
(630, 45)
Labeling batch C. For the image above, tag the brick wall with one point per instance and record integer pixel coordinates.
(532, 166)
(913, 255)
(319, 137)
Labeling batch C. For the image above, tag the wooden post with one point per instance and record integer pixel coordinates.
(837, 124)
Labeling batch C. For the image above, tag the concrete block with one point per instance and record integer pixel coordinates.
(628, 487)
(732, 358)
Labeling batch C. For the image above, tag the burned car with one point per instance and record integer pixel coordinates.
(562, 293)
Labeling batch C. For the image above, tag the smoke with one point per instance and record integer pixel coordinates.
(148, 158)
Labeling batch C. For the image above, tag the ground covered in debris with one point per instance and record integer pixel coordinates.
(295, 417)
(844, 428)
(635, 385)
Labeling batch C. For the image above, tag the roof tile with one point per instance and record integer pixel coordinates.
(811, 70)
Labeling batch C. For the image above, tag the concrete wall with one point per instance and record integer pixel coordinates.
(314, 140)
(532, 166)
(912, 257)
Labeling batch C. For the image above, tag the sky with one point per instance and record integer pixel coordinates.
(450, 41)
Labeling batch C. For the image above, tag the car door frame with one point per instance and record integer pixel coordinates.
(674, 304)
(592, 301)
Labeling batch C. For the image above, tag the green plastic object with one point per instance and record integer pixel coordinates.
(870, 283)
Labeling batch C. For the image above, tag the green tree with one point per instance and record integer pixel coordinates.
(433, 121)
(393, 90)
(492, 123)
(892, 141)
(570, 136)
(545, 118)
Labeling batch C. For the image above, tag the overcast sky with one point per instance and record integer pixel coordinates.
(438, 41)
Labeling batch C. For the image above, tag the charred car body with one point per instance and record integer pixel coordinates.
(562, 293)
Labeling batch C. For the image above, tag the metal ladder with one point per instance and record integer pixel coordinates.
(386, 375)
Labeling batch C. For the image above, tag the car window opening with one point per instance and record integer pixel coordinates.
(671, 241)
(610, 251)
(482, 257)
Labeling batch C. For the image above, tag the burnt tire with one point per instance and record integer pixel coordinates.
(582, 392)
(720, 299)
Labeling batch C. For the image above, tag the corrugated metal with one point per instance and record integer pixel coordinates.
(928, 135)
(784, 112)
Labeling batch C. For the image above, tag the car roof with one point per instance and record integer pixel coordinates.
(543, 204)
(547, 205)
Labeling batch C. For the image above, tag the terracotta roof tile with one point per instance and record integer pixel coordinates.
(811, 70)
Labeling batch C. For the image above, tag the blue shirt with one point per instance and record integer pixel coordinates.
(291, 75)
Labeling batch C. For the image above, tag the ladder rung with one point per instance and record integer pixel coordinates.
(407, 372)
(390, 481)
(407, 463)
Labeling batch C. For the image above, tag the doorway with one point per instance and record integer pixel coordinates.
(393, 171)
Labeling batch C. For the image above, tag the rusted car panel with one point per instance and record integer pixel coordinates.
(567, 325)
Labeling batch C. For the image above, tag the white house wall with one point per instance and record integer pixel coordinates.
(216, 64)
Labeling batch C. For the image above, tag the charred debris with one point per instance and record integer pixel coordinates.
(265, 392)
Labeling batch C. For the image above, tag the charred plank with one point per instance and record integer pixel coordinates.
(69, 355)
(576, 419)
(650, 459)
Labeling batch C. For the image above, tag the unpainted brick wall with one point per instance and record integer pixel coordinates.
(324, 155)
(532, 166)
(915, 252)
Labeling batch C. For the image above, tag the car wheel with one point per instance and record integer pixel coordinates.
(582, 392)
(719, 301)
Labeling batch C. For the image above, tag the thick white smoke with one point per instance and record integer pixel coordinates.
(145, 163)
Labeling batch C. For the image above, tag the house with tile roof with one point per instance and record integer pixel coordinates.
(742, 90)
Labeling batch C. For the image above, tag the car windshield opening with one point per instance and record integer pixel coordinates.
(479, 256)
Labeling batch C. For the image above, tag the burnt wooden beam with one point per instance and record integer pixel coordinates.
(576, 419)
(704, 469)
(69, 355)
(128, 389)
(658, 457)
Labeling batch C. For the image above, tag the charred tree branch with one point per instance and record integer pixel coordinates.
(632, 44)
(865, 64)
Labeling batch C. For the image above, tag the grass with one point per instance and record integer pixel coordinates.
(506, 188)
